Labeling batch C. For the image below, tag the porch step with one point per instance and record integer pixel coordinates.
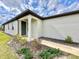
(62, 47)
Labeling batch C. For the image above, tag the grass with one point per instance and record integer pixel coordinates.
(5, 50)
(4, 38)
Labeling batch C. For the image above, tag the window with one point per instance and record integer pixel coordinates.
(12, 27)
(8, 26)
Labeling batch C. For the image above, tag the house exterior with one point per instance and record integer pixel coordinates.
(34, 26)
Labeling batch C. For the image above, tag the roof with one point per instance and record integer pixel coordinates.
(27, 12)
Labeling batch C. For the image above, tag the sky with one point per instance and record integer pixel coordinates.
(11, 8)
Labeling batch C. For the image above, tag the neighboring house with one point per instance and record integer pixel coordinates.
(34, 26)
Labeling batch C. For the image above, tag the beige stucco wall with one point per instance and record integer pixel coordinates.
(10, 31)
(61, 27)
(36, 28)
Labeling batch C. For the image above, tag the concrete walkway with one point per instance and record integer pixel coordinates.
(62, 47)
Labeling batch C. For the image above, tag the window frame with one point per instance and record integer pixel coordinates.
(8, 27)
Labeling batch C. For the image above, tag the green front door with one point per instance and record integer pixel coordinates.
(23, 28)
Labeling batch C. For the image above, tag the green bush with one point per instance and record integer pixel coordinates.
(50, 53)
(26, 52)
(68, 39)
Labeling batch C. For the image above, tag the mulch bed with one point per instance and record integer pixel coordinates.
(35, 50)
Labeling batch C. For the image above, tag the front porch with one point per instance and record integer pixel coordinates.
(30, 27)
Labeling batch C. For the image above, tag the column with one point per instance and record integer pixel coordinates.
(19, 27)
(29, 28)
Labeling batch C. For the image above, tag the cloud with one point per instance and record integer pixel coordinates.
(42, 7)
(7, 13)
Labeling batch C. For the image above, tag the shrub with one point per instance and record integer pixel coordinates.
(21, 39)
(35, 44)
(68, 39)
(50, 53)
(26, 52)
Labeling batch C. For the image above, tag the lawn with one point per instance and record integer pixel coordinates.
(5, 51)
